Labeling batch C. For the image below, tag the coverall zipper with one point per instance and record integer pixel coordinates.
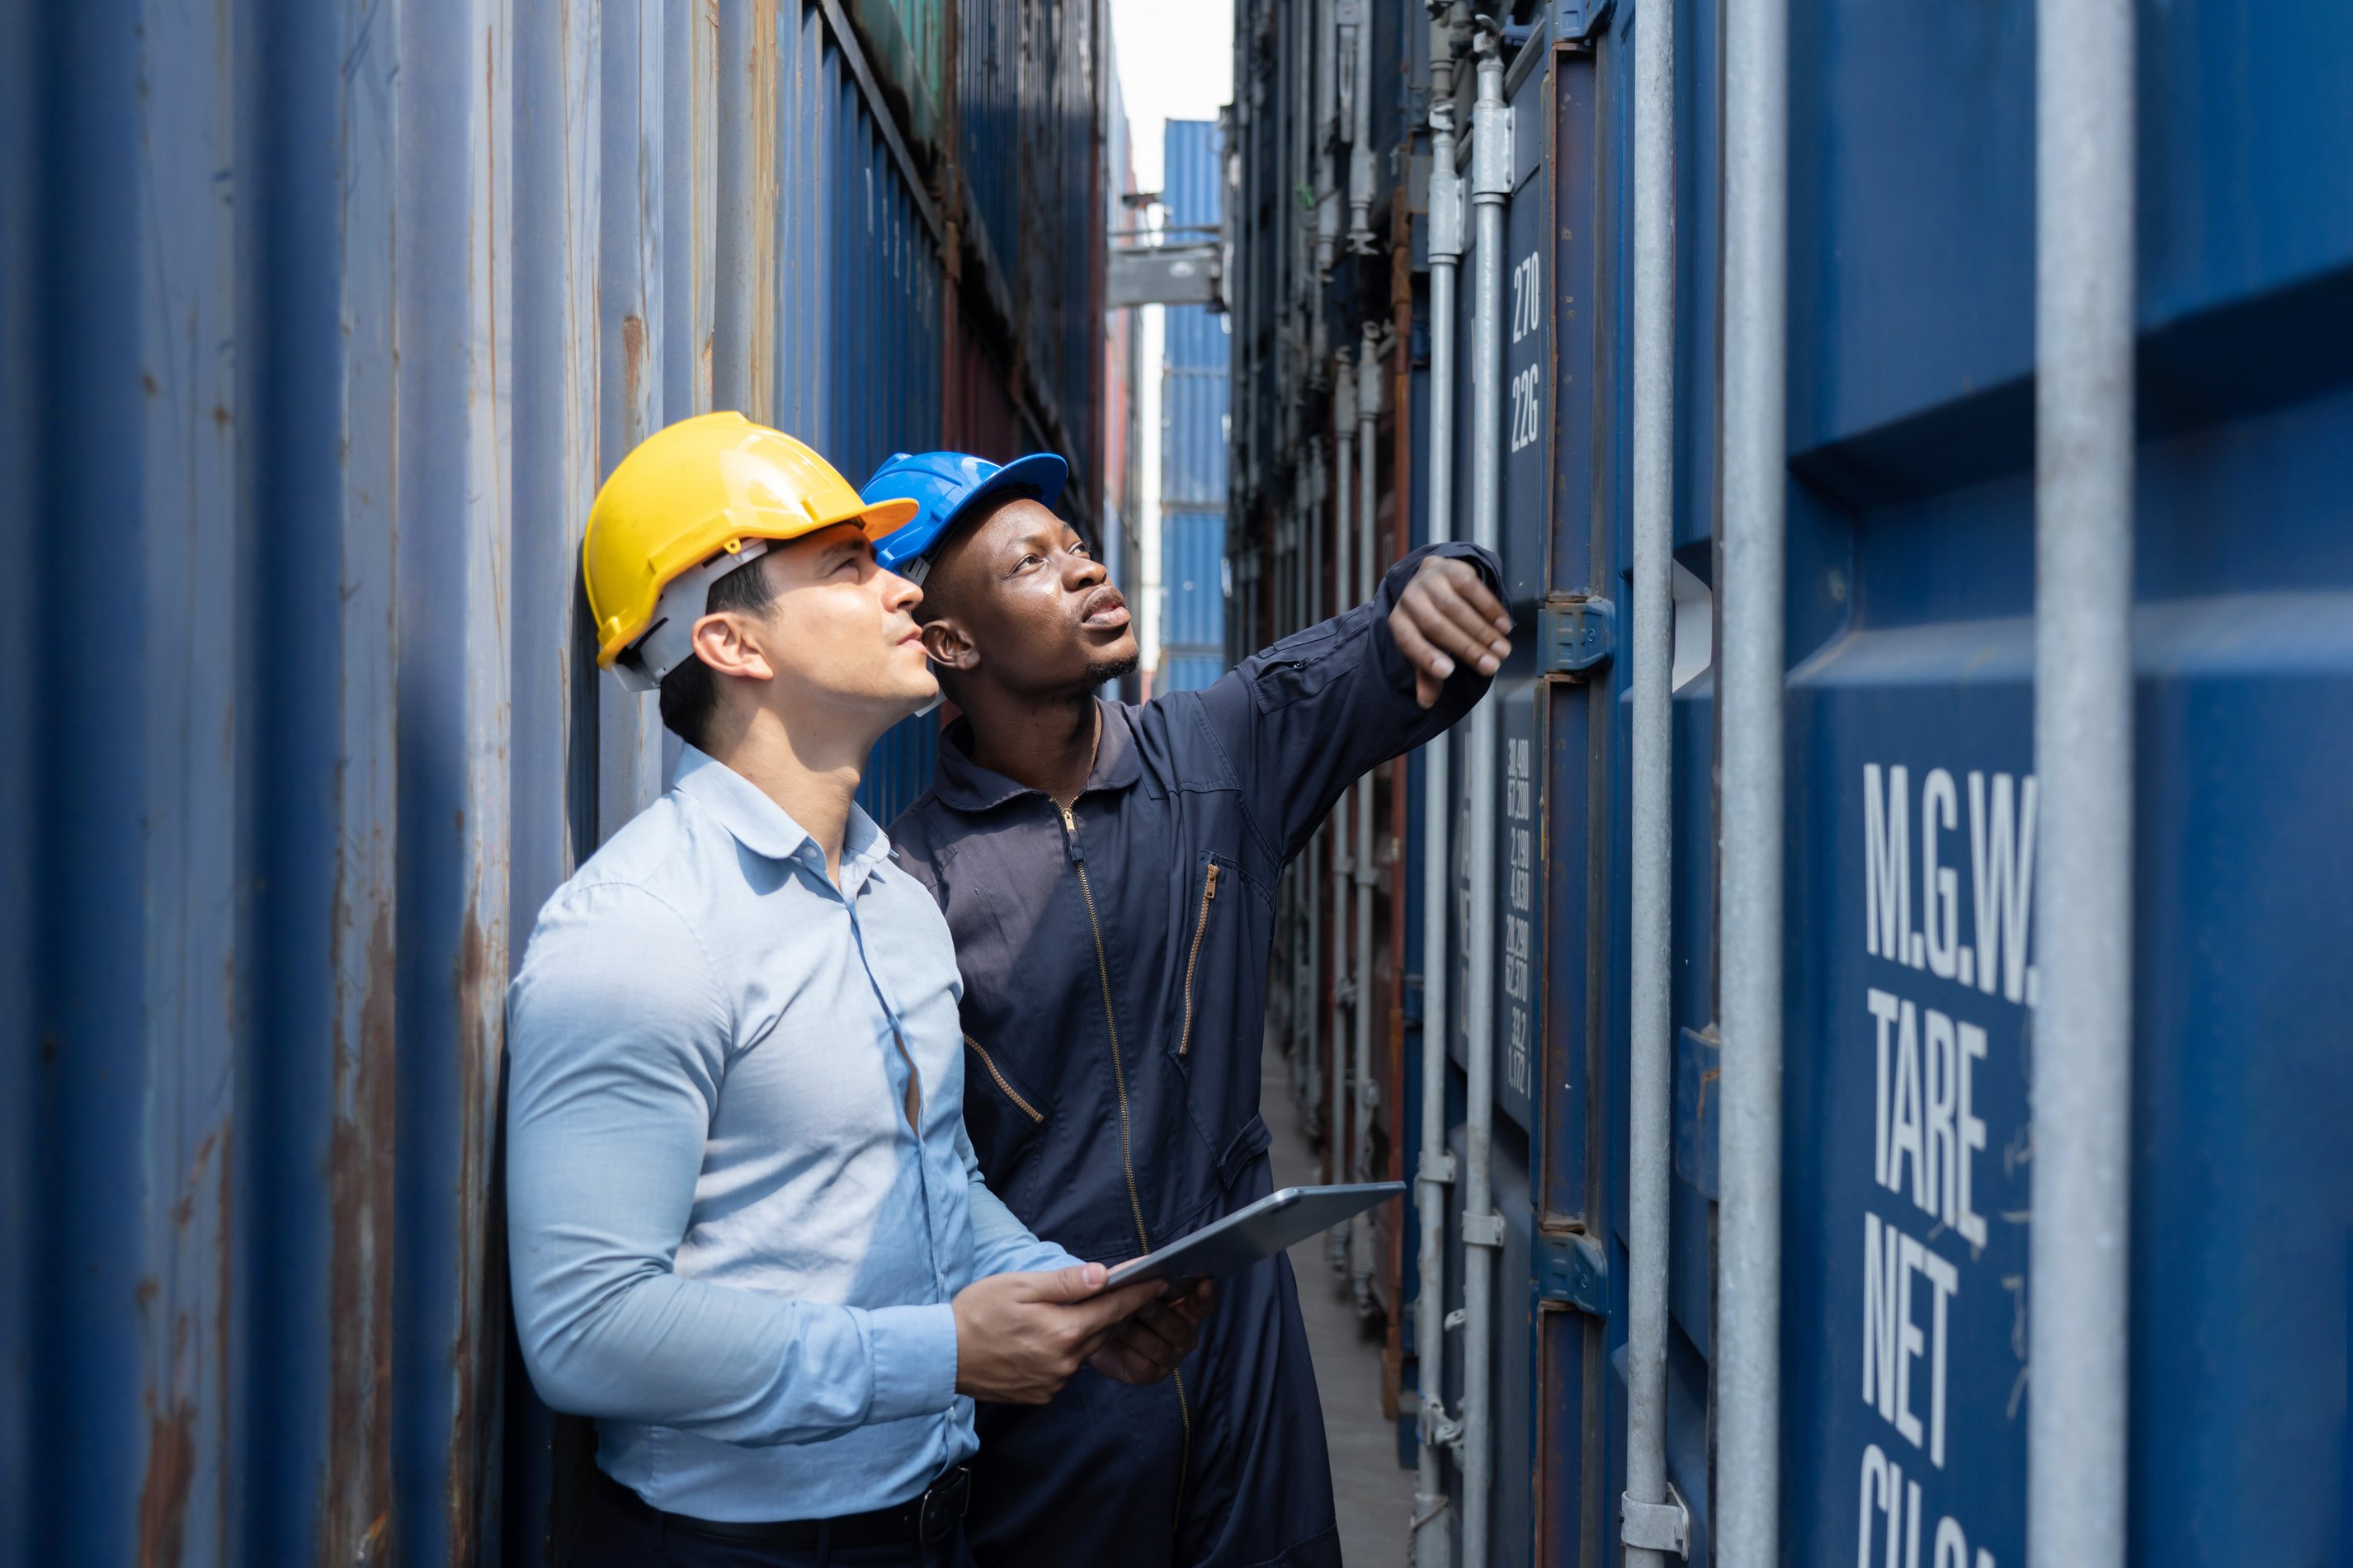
(1192, 960)
(990, 1063)
(1119, 1081)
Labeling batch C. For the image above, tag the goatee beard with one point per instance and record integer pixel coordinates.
(1107, 670)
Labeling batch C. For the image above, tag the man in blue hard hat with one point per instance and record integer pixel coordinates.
(1108, 873)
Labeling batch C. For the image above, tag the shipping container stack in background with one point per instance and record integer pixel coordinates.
(1122, 513)
(322, 326)
(1194, 380)
(1867, 793)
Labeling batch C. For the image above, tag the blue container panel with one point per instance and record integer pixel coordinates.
(1192, 459)
(899, 768)
(1192, 179)
(1195, 338)
(988, 112)
(1027, 78)
(2245, 707)
(858, 330)
(1193, 574)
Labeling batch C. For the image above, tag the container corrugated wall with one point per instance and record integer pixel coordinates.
(859, 311)
(1910, 1011)
(1193, 567)
(321, 327)
(1194, 387)
(1028, 196)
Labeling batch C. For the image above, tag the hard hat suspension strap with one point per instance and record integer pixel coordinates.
(669, 642)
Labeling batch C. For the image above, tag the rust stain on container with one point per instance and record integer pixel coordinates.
(475, 1361)
(633, 374)
(225, 1196)
(358, 1482)
(164, 1493)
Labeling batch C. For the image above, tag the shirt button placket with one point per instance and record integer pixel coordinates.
(932, 1217)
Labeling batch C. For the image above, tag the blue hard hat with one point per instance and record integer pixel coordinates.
(942, 485)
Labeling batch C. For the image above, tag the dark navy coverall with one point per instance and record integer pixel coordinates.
(1115, 972)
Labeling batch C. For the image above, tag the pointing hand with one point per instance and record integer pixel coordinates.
(1447, 617)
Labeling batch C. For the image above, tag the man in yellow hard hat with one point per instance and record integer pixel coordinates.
(747, 1231)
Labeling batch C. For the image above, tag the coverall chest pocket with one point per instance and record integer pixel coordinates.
(1216, 1033)
(1001, 1112)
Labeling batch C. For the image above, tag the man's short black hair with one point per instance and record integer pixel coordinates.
(690, 694)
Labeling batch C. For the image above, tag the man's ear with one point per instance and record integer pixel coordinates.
(949, 646)
(729, 642)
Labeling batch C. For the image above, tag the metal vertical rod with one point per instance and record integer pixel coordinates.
(1343, 861)
(1302, 178)
(1435, 1170)
(739, 360)
(630, 378)
(1483, 1229)
(731, 371)
(1361, 166)
(1327, 196)
(1312, 882)
(1748, 1298)
(1366, 1099)
(1649, 1152)
(2078, 1247)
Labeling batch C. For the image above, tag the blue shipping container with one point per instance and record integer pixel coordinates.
(1195, 388)
(1910, 970)
(322, 326)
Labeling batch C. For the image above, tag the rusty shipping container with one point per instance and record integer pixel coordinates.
(320, 326)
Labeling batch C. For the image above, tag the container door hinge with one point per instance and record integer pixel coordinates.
(1569, 1269)
(1656, 1526)
(1576, 635)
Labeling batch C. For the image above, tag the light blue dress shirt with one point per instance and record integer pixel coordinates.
(728, 1246)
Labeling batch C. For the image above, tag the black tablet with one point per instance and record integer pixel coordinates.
(1267, 1226)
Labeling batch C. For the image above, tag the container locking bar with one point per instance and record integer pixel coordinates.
(1576, 635)
(1656, 1526)
(1570, 1271)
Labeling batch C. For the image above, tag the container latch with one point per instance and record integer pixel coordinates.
(1569, 1270)
(1574, 635)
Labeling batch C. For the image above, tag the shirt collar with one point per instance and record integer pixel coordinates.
(963, 784)
(764, 827)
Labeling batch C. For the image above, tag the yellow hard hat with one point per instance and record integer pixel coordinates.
(679, 511)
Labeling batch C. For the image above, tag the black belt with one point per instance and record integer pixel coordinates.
(927, 1520)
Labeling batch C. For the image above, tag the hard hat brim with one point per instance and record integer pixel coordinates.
(1043, 473)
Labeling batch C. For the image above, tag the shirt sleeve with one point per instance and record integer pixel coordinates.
(1001, 1244)
(1304, 719)
(618, 1039)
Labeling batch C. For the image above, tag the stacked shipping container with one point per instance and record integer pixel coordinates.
(1122, 421)
(1194, 378)
(1911, 977)
(321, 327)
